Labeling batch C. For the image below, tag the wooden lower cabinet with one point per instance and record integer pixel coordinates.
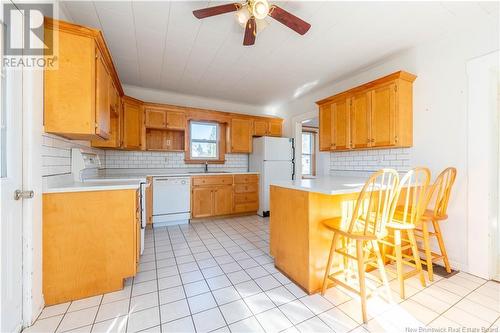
(224, 195)
(202, 201)
(91, 243)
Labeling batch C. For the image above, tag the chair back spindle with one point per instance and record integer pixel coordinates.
(413, 196)
(441, 191)
(375, 204)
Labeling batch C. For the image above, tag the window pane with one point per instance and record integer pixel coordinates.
(203, 131)
(306, 164)
(203, 150)
(306, 143)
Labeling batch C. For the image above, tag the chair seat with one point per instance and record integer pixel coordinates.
(335, 225)
(400, 226)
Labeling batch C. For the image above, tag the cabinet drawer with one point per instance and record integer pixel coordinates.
(213, 180)
(246, 188)
(246, 197)
(245, 179)
(246, 207)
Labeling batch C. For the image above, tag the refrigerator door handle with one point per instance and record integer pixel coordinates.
(293, 169)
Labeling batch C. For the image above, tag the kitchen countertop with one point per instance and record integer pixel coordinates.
(330, 185)
(100, 185)
(121, 181)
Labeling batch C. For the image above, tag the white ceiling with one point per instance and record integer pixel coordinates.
(161, 45)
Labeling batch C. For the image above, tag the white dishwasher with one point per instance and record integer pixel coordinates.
(171, 201)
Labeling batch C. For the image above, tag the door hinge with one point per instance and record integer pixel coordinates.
(396, 88)
(18, 194)
(396, 139)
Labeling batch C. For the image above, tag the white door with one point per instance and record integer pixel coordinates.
(11, 210)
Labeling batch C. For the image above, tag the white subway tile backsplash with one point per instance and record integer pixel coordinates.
(371, 160)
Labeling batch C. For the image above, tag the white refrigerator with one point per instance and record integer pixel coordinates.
(273, 158)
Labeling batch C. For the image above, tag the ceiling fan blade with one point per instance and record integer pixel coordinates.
(250, 32)
(216, 10)
(290, 20)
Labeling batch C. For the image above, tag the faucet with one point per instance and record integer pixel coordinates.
(206, 166)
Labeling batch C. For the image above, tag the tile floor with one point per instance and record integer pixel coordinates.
(217, 276)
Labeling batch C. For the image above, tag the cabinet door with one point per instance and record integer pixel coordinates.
(202, 202)
(383, 116)
(341, 124)
(176, 120)
(156, 118)
(325, 127)
(223, 200)
(132, 126)
(102, 109)
(275, 127)
(241, 135)
(260, 127)
(360, 120)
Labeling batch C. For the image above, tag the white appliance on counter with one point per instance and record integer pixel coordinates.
(171, 200)
(274, 159)
(84, 165)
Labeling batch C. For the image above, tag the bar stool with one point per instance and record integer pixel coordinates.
(412, 200)
(374, 207)
(439, 196)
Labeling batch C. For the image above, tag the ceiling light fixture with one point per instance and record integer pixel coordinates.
(260, 9)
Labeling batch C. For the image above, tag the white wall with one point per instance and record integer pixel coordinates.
(173, 98)
(440, 113)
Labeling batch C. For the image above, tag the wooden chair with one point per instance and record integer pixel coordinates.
(412, 198)
(439, 196)
(374, 207)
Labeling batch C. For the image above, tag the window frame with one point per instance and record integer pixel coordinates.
(216, 141)
(312, 155)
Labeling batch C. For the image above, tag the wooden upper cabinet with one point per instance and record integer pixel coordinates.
(155, 118)
(132, 125)
(260, 127)
(102, 105)
(176, 120)
(340, 124)
(241, 135)
(360, 120)
(325, 127)
(76, 91)
(381, 115)
(275, 127)
(223, 200)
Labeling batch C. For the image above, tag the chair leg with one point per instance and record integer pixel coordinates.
(399, 262)
(381, 269)
(416, 257)
(427, 248)
(329, 264)
(442, 248)
(361, 275)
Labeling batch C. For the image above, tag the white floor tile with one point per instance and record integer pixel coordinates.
(142, 320)
(196, 288)
(209, 320)
(273, 321)
(235, 311)
(174, 310)
(169, 282)
(479, 310)
(142, 302)
(296, 312)
(267, 282)
(249, 325)
(201, 302)
(77, 319)
(226, 295)
(144, 288)
(280, 295)
(44, 325)
(183, 325)
(54, 310)
(115, 325)
(171, 294)
(117, 295)
(313, 325)
(112, 310)
(338, 320)
(218, 282)
(316, 303)
(85, 303)
(259, 303)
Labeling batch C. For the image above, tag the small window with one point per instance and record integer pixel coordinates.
(204, 140)
(308, 154)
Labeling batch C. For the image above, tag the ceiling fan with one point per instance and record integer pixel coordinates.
(251, 15)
